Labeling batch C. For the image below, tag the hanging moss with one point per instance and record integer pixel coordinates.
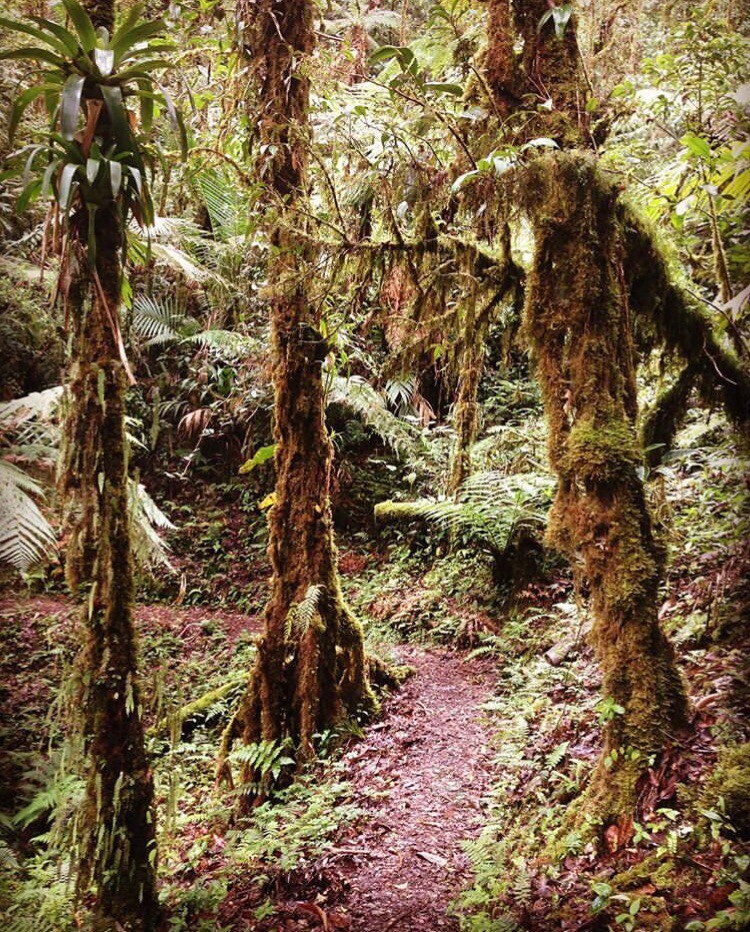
(662, 421)
(663, 301)
(579, 328)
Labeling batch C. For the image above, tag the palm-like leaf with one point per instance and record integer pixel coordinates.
(25, 534)
(157, 321)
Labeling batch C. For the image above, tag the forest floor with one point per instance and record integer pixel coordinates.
(424, 772)
(419, 776)
(450, 810)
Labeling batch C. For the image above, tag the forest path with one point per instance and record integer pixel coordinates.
(420, 774)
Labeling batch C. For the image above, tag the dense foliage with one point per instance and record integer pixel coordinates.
(463, 284)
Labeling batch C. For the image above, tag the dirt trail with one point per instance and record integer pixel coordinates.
(421, 773)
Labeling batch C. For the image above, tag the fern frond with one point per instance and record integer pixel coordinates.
(149, 549)
(359, 396)
(227, 342)
(38, 405)
(303, 613)
(489, 509)
(25, 534)
(177, 259)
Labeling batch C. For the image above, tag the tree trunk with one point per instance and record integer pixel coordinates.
(310, 671)
(117, 822)
(466, 408)
(578, 321)
(118, 846)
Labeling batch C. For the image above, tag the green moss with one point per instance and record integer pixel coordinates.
(730, 782)
(578, 322)
(602, 453)
(653, 869)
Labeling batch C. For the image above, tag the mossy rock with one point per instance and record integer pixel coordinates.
(730, 781)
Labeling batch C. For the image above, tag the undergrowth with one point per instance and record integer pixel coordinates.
(684, 865)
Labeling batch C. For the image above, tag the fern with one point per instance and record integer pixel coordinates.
(39, 406)
(490, 509)
(26, 536)
(225, 342)
(365, 401)
(262, 764)
(149, 548)
(302, 614)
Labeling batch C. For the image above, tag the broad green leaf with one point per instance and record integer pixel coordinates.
(70, 105)
(69, 41)
(41, 34)
(442, 88)
(28, 194)
(32, 53)
(147, 106)
(71, 150)
(141, 69)
(119, 117)
(696, 145)
(384, 53)
(49, 171)
(125, 43)
(261, 455)
(66, 189)
(20, 104)
(127, 24)
(83, 25)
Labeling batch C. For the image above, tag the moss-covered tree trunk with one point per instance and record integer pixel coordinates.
(580, 329)
(310, 671)
(466, 407)
(117, 827)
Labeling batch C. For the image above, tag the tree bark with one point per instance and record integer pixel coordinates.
(579, 324)
(117, 821)
(310, 671)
